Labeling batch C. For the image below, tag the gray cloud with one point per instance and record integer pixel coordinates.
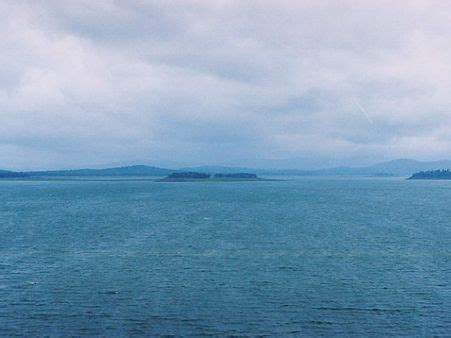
(227, 82)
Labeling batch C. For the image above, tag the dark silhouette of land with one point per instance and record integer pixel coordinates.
(135, 170)
(12, 174)
(237, 175)
(190, 176)
(400, 168)
(395, 168)
(442, 174)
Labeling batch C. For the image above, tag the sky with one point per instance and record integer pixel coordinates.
(284, 83)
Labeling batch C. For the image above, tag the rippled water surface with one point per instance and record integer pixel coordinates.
(303, 257)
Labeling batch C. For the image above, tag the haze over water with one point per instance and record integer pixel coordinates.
(312, 256)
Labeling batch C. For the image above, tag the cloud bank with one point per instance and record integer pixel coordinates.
(86, 83)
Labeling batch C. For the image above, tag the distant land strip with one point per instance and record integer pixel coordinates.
(443, 174)
(396, 168)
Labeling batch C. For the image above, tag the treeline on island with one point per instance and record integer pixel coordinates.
(400, 168)
(198, 175)
(441, 174)
(188, 174)
(130, 171)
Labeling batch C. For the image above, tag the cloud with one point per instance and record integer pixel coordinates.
(227, 82)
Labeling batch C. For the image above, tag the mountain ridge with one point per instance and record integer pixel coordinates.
(133, 170)
(399, 167)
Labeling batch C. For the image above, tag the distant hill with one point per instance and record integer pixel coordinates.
(402, 167)
(135, 170)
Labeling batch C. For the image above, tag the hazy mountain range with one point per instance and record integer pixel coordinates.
(402, 167)
(135, 170)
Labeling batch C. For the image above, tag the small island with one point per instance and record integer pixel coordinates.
(196, 177)
(237, 175)
(442, 174)
(188, 175)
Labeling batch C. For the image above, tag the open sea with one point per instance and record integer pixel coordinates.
(302, 257)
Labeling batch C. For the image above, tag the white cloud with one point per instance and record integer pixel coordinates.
(224, 81)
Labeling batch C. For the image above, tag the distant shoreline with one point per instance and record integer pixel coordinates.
(441, 174)
(215, 179)
(128, 179)
(395, 168)
(82, 178)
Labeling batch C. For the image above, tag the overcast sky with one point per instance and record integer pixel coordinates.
(257, 83)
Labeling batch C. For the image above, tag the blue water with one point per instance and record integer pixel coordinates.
(348, 257)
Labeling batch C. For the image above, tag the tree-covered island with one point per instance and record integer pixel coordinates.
(441, 174)
(196, 176)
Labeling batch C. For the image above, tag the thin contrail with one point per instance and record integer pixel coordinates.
(363, 110)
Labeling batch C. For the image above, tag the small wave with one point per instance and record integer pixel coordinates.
(320, 322)
(288, 268)
(358, 309)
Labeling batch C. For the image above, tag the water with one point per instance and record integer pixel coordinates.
(350, 257)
